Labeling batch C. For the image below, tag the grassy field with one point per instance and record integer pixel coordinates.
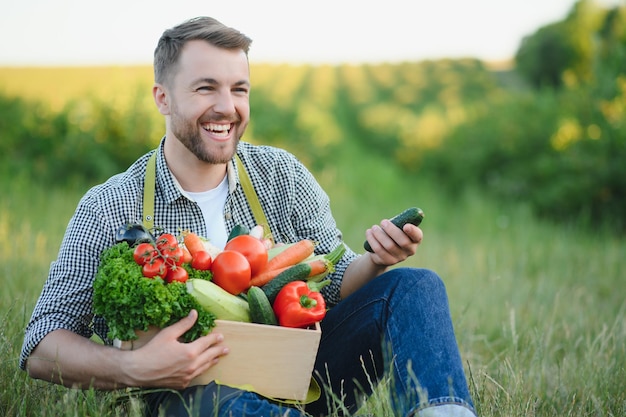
(539, 310)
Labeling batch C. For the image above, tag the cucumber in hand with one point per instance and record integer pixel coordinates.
(411, 215)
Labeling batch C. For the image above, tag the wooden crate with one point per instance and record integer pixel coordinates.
(275, 361)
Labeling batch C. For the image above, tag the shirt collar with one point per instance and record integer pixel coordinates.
(171, 189)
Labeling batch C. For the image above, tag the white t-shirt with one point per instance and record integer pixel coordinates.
(212, 204)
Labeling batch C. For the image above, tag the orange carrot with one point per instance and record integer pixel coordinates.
(318, 266)
(193, 243)
(266, 276)
(186, 255)
(294, 254)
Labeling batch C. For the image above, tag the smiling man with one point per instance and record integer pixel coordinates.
(381, 321)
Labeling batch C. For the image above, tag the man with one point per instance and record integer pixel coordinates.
(381, 321)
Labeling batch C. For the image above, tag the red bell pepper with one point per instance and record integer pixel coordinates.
(300, 305)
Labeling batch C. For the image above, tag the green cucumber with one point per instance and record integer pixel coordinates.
(261, 311)
(298, 272)
(239, 229)
(411, 215)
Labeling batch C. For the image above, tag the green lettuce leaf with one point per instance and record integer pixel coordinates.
(128, 301)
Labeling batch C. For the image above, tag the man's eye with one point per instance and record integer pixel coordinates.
(205, 88)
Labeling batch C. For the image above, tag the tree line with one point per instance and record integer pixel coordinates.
(548, 132)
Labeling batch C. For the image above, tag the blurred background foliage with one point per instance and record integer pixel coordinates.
(547, 130)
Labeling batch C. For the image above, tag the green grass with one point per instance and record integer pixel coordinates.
(539, 309)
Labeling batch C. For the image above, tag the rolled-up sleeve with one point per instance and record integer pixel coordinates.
(66, 299)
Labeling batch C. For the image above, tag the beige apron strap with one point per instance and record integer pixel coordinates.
(246, 183)
(148, 192)
(252, 197)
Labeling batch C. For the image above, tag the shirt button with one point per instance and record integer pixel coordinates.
(228, 216)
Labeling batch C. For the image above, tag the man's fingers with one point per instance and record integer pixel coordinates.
(211, 350)
(392, 244)
(210, 340)
(179, 328)
(413, 232)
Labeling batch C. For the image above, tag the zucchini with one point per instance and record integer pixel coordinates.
(336, 254)
(261, 311)
(297, 272)
(218, 301)
(411, 215)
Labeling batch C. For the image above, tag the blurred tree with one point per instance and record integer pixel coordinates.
(544, 56)
(564, 47)
(612, 37)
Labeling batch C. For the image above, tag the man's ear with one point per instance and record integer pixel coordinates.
(161, 99)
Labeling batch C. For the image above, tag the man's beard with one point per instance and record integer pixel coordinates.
(189, 135)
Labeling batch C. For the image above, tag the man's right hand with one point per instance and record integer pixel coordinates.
(67, 358)
(166, 362)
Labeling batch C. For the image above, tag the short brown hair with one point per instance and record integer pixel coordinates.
(200, 28)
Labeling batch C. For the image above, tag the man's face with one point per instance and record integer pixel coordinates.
(208, 100)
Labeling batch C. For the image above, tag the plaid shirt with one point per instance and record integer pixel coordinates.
(295, 205)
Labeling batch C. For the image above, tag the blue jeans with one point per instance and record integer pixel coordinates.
(398, 325)
(213, 401)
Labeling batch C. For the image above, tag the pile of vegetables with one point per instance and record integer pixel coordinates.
(129, 301)
(145, 281)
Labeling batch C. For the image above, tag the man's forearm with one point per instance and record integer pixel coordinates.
(360, 272)
(66, 358)
(74, 361)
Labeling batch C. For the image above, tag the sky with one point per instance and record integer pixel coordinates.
(123, 32)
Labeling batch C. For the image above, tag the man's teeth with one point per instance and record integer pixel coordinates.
(219, 129)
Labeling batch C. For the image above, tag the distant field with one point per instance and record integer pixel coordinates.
(539, 309)
(57, 85)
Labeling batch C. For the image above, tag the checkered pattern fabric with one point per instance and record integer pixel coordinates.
(295, 205)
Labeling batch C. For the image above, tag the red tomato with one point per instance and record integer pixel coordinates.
(231, 271)
(252, 248)
(166, 241)
(144, 252)
(154, 267)
(176, 273)
(173, 255)
(202, 260)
